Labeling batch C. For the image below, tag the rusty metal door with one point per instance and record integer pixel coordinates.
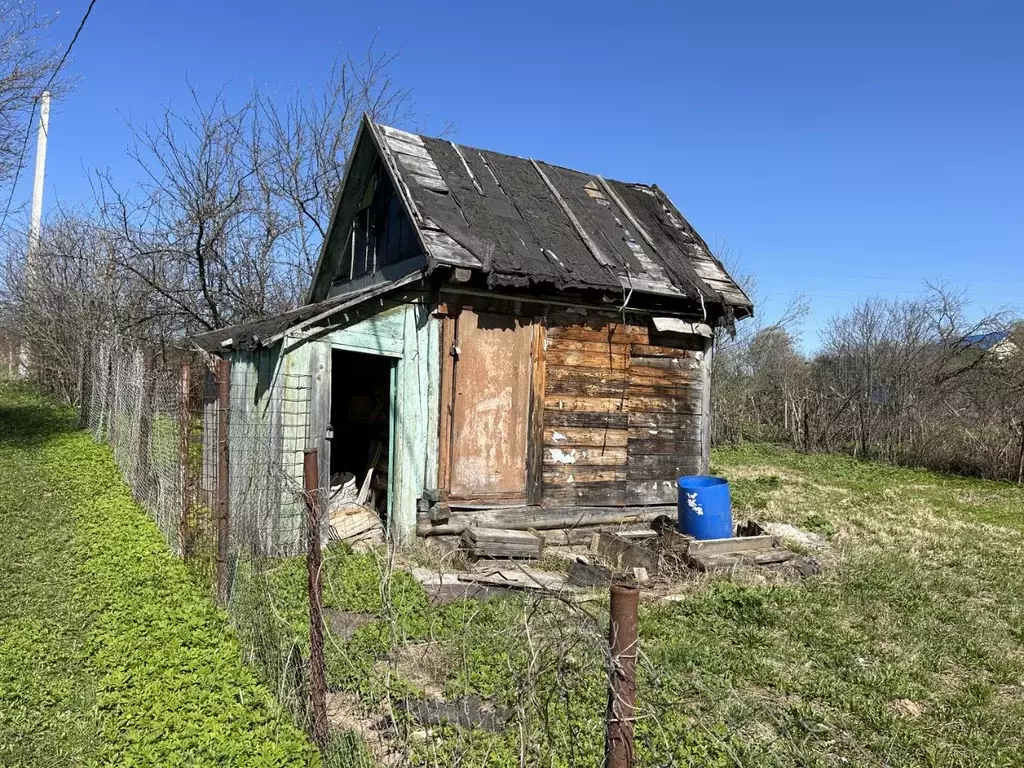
(491, 403)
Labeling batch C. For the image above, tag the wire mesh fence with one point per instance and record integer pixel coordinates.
(215, 456)
(352, 647)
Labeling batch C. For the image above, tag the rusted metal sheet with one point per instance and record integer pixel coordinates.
(490, 415)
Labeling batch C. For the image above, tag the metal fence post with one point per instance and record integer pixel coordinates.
(622, 677)
(85, 387)
(147, 404)
(184, 423)
(314, 561)
(223, 481)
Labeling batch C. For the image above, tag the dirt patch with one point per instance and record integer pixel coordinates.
(424, 665)
(466, 712)
(909, 708)
(345, 713)
(343, 624)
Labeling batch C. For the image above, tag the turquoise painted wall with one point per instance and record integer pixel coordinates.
(406, 333)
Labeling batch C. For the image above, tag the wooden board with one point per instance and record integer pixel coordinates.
(540, 518)
(583, 456)
(664, 426)
(490, 414)
(584, 436)
(624, 553)
(447, 402)
(502, 542)
(535, 435)
(612, 359)
(732, 544)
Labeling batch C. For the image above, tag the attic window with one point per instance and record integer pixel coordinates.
(380, 233)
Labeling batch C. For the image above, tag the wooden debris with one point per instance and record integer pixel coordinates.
(520, 578)
(500, 542)
(354, 522)
(570, 537)
(589, 575)
(725, 546)
(624, 554)
(727, 561)
(768, 556)
(540, 518)
(750, 528)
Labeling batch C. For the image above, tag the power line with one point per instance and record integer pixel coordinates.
(32, 112)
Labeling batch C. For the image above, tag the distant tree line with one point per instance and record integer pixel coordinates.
(910, 381)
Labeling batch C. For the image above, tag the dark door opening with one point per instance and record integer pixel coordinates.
(361, 422)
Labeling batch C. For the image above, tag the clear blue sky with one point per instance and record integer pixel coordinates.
(839, 149)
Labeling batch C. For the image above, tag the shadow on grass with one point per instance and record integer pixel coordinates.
(27, 420)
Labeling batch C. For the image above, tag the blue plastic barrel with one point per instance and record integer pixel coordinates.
(705, 509)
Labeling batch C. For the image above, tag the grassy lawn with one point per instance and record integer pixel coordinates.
(110, 654)
(907, 651)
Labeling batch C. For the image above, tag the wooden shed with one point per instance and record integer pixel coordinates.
(503, 341)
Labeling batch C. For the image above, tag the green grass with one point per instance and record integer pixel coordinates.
(110, 654)
(907, 651)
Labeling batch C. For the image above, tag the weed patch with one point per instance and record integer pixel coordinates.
(138, 666)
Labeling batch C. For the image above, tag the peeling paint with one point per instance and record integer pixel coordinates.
(562, 457)
(691, 502)
(558, 437)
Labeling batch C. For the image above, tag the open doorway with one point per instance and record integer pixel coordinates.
(361, 422)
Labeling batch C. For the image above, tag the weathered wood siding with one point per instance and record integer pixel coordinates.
(622, 411)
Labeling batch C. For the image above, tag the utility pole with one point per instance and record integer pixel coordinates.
(37, 184)
(35, 222)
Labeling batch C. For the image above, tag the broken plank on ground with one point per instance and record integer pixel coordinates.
(625, 554)
(516, 578)
(501, 542)
(732, 544)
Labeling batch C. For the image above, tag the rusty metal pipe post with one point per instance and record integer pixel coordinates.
(223, 481)
(314, 561)
(622, 643)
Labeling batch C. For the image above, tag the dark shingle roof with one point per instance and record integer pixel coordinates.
(524, 222)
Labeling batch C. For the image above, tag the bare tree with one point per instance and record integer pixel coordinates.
(222, 223)
(234, 200)
(26, 65)
(305, 143)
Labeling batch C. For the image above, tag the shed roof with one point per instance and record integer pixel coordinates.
(523, 222)
(266, 331)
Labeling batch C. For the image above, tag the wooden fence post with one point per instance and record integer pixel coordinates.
(622, 677)
(314, 561)
(184, 423)
(223, 481)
